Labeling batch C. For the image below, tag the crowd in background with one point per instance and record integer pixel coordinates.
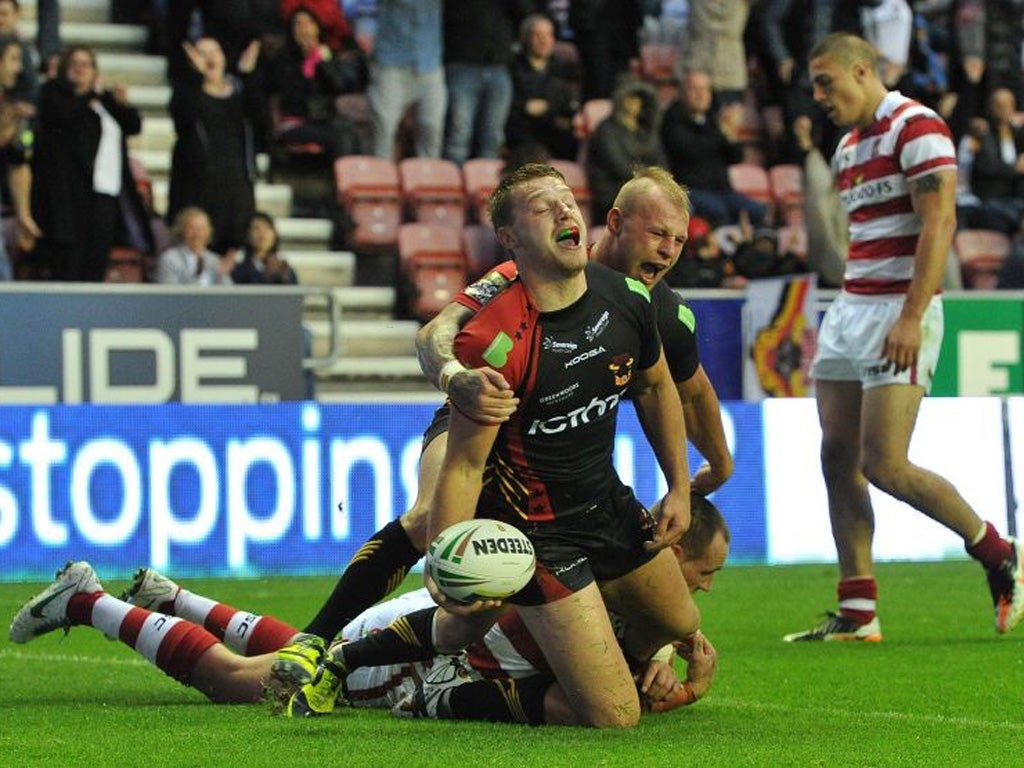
(485, 78)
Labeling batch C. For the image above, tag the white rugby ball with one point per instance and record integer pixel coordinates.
(480, 559)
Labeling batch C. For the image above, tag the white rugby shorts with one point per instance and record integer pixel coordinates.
(852, 336)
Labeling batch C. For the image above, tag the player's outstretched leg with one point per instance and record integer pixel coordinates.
(48, 610)
(244, 632)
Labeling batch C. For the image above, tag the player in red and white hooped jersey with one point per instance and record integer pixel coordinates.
(879, 342)
(874, 169)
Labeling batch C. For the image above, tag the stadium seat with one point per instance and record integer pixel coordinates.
(482, 250)
(591, 114)
(576, 178)
(432, 190)
(981, 253)
(657, 66)
(751, 128)
(480, 175)
(752, 180)
(125, 265)
(433, 264)
(787, 183)
(368, 189)
(356, 107)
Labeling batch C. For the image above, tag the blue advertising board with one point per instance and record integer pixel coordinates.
(257, 489)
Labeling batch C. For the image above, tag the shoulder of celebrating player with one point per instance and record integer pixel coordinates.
(477, 294)
(678, 328)
(500, 335)
(630, 299)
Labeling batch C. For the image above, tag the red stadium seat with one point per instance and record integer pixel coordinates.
(981, 253)
(482, 250)
(576, 178)
(480, 176)
(787, 183)
(432, 261)
(432, 190)
(752, 180)
(368, 189)
(592, 113)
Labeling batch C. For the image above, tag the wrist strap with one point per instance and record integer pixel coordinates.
(449, 369)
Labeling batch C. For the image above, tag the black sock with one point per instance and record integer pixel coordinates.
(376, 570)
(499, 701)
(407, 638)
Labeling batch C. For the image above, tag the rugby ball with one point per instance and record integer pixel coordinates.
(480, 559)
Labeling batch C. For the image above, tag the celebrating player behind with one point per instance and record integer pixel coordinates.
(879, 341)
(233, 656)
(548, 470)
(643, 239)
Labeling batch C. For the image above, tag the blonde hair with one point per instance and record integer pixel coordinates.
(186, 213)
(647, 177)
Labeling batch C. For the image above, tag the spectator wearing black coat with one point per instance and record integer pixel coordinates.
(82, 181)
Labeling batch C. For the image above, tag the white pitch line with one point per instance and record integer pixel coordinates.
(908, 716)
(6, 653)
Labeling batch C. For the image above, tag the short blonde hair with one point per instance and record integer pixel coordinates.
(647, 177)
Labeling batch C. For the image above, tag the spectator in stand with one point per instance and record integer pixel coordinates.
(625, 140)
(306, 80)
(543, 102)
(889, 25)
(190, 261)
(997, 177)
(703, 264)
(26, 89)
(478, 46)
(214, 161)
(607, 35)
(716, 46)
(14, 165)
(261, 262)
(700, 148)
(405, 69)
(82, 189)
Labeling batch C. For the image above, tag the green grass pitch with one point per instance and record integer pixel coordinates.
(942, 690)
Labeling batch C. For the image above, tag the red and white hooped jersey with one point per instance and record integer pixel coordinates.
(873, 169)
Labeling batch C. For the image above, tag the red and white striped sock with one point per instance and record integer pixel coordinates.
(857, 599)
(246, 633)
(168, 642)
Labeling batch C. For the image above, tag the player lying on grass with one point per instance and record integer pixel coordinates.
(643, 239)
(233, 656)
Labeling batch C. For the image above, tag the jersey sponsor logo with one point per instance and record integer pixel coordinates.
(560, 395)
(597, 328)
(497, 351)
(621, 367)
(585, 356)
(860, 192)
(563, 347)
(596, 409)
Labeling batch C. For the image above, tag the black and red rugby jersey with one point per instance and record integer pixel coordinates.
(569, 369)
